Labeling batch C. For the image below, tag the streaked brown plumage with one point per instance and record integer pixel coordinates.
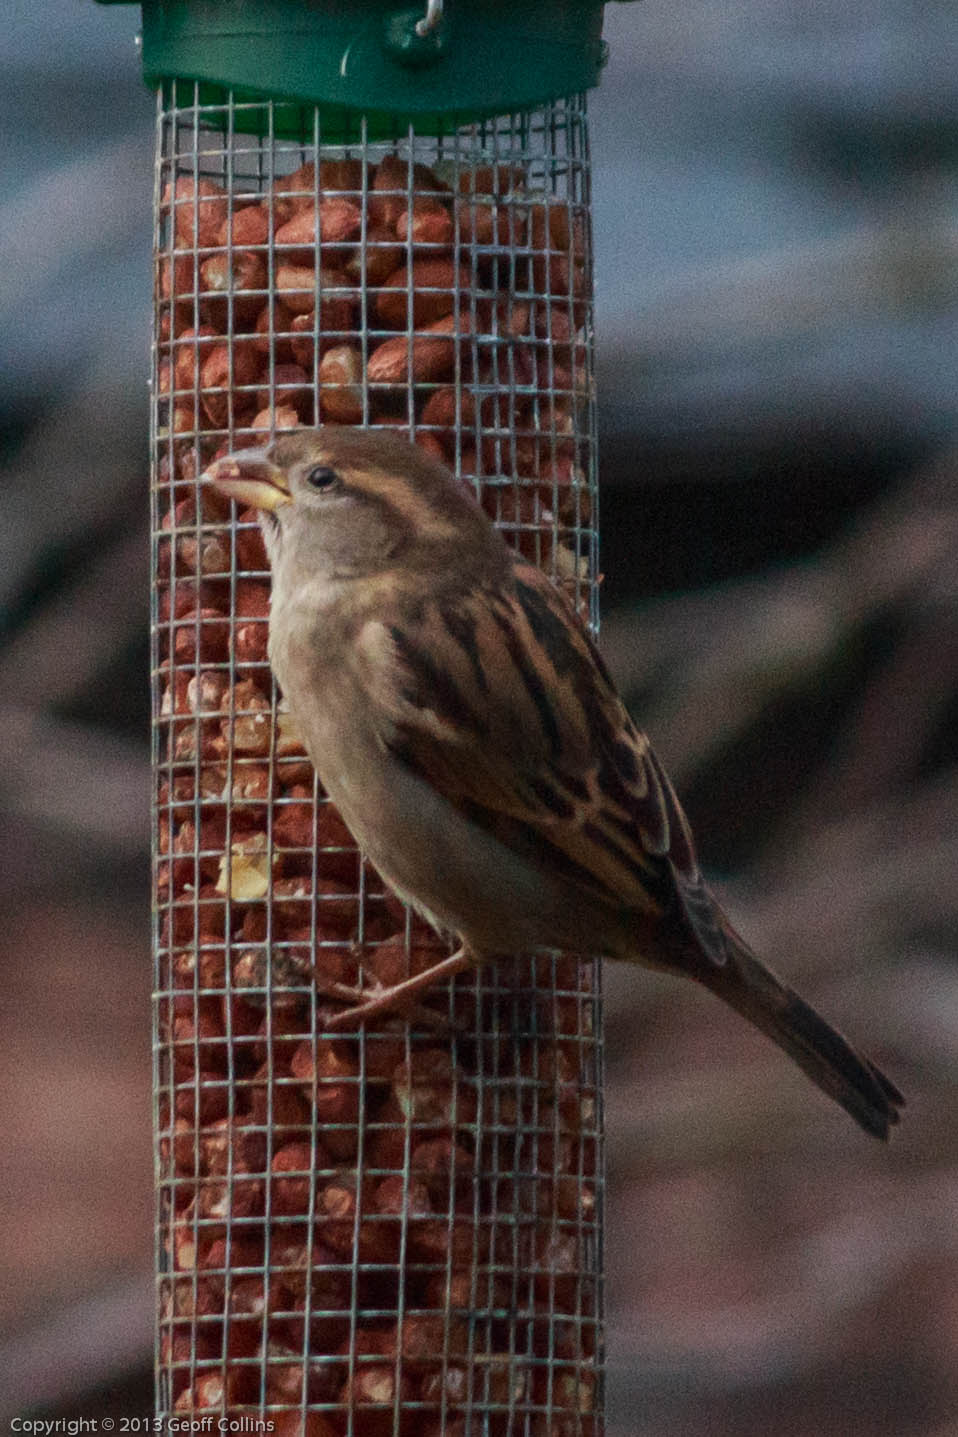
(461, 718)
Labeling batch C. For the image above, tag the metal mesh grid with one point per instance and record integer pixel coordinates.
(400, 1229)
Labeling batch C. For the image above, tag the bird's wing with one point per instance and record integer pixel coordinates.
(498, 697)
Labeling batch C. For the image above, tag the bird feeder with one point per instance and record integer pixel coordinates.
(377, 216)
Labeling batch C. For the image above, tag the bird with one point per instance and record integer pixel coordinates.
(459, 714)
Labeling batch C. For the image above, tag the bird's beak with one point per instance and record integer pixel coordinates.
(250, 477)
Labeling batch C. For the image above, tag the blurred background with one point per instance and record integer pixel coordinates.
(776, 224)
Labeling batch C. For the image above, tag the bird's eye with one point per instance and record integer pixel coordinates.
(322, 477)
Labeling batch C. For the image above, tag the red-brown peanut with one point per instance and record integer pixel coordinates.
(189, 349)
(288, 384)
(427, 223)
(282, 417)
(333, 222)
(340, 384)
(272, 330)
(226, 370)
(278, 1101)
(329, 1073)
(245, 227)
(431, 1092)
(430, 355)
(390, 187)
(490, 225)
(293, 192)
(378, 258)
(290, 1177)
(236, 280)
(429, 291)
(218, 1390)
(347, 1222)
(199, 208)
(447, 405)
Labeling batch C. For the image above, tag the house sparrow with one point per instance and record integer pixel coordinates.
(462, 720)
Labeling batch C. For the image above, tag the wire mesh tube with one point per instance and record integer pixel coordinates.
(398, 1230)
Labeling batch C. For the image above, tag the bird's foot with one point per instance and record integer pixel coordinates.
(358, 997)
(400, 999)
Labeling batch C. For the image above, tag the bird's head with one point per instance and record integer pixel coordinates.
(342, 503)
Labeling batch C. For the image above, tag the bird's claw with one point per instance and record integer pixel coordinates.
(368, 1002)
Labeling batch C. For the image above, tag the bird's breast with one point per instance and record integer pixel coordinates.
(425, 846)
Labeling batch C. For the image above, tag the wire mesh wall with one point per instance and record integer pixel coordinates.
(399, 1229)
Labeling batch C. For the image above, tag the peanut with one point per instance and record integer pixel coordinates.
(245, 228)
(340, 384)
(332, 222)
(431, 289)
(199, 208)
(429, 357)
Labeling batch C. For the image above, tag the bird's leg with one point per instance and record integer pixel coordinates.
(400, 997)
(344, 993)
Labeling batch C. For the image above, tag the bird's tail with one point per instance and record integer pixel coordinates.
(755, 992)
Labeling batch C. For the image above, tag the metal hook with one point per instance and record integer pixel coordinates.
(431, 20)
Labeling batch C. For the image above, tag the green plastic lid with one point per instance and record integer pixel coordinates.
(394, 64)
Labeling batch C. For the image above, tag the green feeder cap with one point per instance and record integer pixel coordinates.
(430, 65)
